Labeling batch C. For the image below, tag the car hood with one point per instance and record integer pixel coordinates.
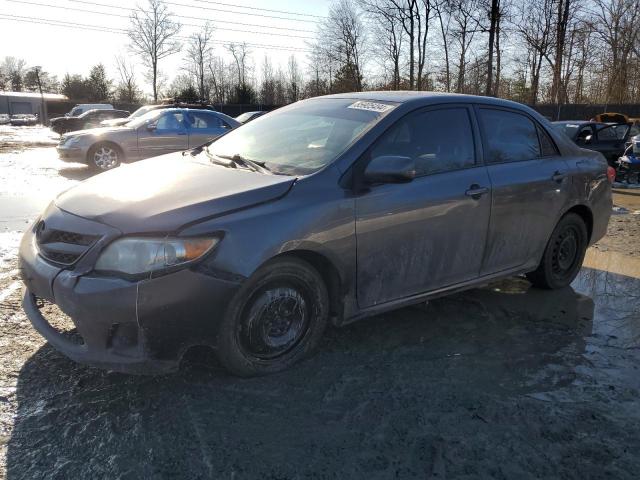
(115, 122)
(97, 132)
(165, 193)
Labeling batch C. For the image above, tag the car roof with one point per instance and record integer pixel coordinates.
(425, 97)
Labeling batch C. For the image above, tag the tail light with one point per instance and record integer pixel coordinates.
(611, 174)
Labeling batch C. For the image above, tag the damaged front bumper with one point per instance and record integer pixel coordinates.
(142, 326)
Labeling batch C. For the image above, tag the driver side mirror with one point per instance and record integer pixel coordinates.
(390, 169)
(151, 126)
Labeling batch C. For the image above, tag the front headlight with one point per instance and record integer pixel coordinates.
(137, 255)
(70, 141)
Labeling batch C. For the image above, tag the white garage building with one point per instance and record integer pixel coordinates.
(29, 102)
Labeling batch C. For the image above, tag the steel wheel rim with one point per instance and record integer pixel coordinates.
(274, 321)
(105, 158)
(565, 252)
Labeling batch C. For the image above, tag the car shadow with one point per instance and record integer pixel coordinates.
(406, 393)
(81, 172)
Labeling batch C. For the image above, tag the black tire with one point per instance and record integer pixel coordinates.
(276, 319)
(563, 255)
(110, 156)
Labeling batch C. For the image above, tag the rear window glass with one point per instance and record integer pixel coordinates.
(547, 146)
(510, 136)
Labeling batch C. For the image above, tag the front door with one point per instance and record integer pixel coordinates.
(610, 141)
(165, 135)
(530, 183)
(428, 233)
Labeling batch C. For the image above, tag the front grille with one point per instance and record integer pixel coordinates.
(62, 247)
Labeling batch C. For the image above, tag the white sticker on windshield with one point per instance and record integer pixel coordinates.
(371, 106)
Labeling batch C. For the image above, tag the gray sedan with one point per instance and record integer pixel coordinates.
(328, 210)
(153, 134)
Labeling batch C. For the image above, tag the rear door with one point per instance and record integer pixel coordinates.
(428, 233)
(530, 182)
(169, 135)
(204, 127)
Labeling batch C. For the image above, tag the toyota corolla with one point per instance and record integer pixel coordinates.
(326, 211)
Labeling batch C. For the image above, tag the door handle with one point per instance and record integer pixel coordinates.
(476, 191)
(182, 133)
(558, 176)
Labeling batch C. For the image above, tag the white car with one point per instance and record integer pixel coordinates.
(85, 107)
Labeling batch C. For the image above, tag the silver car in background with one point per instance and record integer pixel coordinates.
(155, 133)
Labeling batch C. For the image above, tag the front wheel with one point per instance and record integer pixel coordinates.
(563, 255)
(275, 320)
(104, 156)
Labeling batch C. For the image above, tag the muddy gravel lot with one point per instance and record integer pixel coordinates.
(500, 382)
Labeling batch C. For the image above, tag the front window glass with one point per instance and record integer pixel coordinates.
(437, 140)
(170, 121)
(302, 138)
(511, 137)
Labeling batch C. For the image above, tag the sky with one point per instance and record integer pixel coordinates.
(275, 27)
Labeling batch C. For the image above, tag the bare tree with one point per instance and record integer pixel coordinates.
(343, 37)
(494, 26)
(441, 12)
(534, 25)
(13, 70)
(127, 89)
(152, 35)
(464, 14)
(240, 54)
(294, 80)
(389, 35)
(563, 10)
(199, 53)
(616, 23)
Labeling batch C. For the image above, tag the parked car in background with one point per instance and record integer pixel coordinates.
(248, 116)
(85, 107)
(154, 133)
(5, 119)
(23, 120)
(148, 108)
(608, 139)
(89, 119)
(327, 210)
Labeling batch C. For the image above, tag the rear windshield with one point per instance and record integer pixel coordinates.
(302, 138)
(569, 129)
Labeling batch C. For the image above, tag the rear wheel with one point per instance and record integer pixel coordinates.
(275, 320)
(104, 156)
(563, 255)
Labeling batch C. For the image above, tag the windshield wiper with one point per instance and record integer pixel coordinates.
(250, 164)
(216, 159)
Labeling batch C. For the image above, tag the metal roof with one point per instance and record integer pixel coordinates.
(35, 95)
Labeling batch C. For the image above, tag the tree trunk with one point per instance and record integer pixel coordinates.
(495, 6)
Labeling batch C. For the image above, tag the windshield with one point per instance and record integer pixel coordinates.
(75, 111)
(304, 137)
(245, 116)
(569, 129)
(141, 111)
(142, 119)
